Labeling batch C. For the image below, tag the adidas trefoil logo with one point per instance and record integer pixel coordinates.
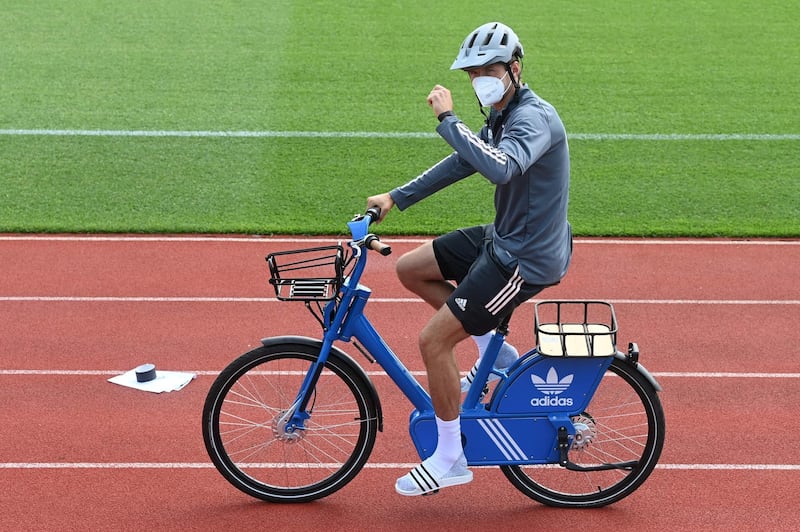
(462, 303)
(551, 386)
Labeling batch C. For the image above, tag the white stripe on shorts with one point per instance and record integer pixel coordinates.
(505, 295)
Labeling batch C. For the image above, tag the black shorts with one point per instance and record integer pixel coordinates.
(487, 290)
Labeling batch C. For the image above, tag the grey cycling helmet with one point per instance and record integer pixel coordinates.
(491, 43)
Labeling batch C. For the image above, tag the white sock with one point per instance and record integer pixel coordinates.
(448, 448)
(482, 342)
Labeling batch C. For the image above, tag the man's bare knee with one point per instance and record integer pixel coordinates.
(430, 343)
(441, 333)
(406, 271)
(418, 266)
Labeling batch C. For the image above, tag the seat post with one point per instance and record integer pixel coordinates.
(502, 327)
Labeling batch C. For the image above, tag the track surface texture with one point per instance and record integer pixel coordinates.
(716, 321)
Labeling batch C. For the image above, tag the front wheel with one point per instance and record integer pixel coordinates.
(623, 423)
(245, 432)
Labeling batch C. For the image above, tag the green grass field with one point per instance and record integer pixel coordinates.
(683, 115)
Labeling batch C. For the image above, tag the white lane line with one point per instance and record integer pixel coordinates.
(658, 137)
(379, 373)
(377, 465)
(257, 239)
(191, 299)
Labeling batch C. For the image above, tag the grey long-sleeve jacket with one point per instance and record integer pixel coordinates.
(523, 151)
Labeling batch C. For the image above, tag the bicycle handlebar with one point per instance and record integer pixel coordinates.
(374, 243)
(359, 225)
(374, 213)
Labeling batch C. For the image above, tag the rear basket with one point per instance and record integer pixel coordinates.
(311, 274)
(575, 328)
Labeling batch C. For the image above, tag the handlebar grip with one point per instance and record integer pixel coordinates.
(374, 243)
(374, 213)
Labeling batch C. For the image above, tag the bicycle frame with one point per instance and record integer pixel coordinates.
(528, 417)
(344, 319)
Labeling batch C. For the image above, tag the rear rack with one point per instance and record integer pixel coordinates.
(575, 328)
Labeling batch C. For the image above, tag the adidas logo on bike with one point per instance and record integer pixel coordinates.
(551, 387)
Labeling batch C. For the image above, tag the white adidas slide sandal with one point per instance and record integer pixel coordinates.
(420, 481)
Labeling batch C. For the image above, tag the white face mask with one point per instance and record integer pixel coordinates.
(489, 89)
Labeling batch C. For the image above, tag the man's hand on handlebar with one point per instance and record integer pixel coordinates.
(383, 201)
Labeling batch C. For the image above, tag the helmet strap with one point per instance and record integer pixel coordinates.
(514, 80)
(480, 106)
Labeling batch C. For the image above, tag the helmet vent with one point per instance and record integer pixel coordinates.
(491, 43)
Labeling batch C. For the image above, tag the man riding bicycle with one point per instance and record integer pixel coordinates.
(476, 276)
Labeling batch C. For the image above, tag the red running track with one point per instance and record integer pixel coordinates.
(717, 322)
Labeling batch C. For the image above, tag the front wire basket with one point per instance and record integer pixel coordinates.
(310, 274)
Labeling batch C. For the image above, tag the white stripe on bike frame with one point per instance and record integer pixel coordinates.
(497, 433)
(509, 443)
(499, 426)
(491, 435)
(505, 295)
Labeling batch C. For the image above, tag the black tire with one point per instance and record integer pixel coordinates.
(244, 438)
(623, 422)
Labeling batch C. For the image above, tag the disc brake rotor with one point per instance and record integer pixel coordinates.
(282, 431)
(585, 431)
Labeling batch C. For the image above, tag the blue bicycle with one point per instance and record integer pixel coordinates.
(573, 423)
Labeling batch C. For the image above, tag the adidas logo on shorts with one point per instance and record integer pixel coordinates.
(462, 303)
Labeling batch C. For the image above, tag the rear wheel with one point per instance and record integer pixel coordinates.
(250, 441)
(623, 423)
